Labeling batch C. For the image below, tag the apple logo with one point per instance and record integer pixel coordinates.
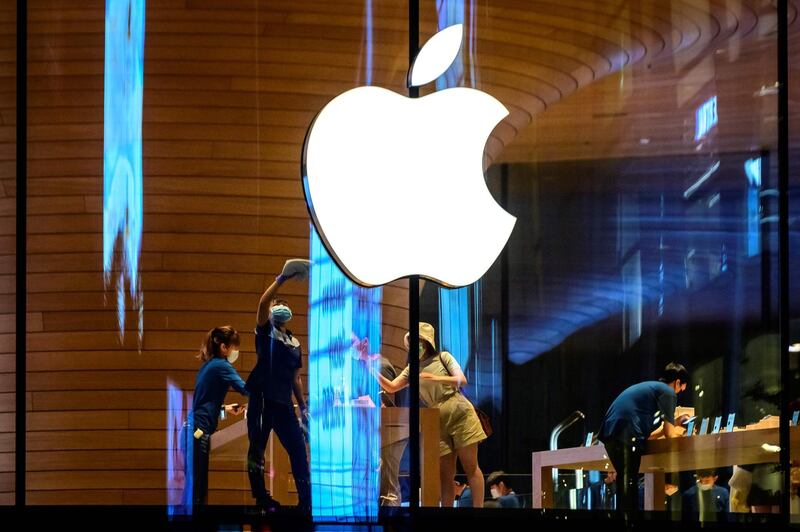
(395, 185)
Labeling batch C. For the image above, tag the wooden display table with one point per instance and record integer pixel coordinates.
(394, 427)
(663, 456)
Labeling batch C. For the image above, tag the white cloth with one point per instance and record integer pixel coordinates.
(296, 269)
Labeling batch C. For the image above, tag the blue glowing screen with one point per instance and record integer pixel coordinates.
(344, 404)
(705, 118)
(122, 151)
(752, 169)
(179, 451)
(451, 12)
(455, 321)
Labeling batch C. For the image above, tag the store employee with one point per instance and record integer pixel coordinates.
(629, 423)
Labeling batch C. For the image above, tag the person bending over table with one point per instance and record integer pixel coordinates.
(629, 423)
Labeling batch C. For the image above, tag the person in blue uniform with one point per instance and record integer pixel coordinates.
(272, 383)
(630, 421)
(502, 493)
(219, 351)
(705, 500)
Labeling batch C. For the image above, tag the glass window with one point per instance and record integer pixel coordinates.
(640, 159)
(635, 301)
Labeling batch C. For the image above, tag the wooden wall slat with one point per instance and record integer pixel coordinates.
(8, 173)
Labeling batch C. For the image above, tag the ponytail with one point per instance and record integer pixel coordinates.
(216, 337)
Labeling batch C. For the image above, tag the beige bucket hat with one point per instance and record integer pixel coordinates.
(426, 333)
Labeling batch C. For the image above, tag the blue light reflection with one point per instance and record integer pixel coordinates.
(122, 150)
(343, 394)
(179, 452)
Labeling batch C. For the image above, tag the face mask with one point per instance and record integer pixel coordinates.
(232, 356)
(705, 487)
(495, 493)
(421, 350)
(281, 313)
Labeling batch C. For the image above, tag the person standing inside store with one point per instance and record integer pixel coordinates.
(271, 384)
(629, 423)
(705, 500)
(219, 351)
(463, 494)
(502, 493)
(392, 451)
(460, 431)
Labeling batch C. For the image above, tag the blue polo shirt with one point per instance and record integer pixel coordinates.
(633, 412)
(210, 387)
(715, 500)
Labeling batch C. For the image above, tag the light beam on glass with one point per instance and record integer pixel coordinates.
(122, 152)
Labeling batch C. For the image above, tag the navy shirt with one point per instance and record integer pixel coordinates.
(465, 500)
(715, 500)
(509, 501)
(633, 412)
(279, 357)
(210, 387)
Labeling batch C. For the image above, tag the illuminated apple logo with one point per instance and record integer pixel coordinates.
(395, 185)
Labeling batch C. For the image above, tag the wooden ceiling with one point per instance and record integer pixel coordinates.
(647, 108)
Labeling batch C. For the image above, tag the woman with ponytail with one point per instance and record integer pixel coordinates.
(219, 351)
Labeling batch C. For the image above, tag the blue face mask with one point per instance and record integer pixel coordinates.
(281, 313)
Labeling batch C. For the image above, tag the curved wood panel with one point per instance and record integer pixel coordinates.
(648, 110)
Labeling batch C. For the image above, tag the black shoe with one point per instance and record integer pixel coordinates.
(304, 512)
(268, 504)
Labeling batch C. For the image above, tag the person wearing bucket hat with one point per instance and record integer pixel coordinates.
(460, 431)
(273, 381)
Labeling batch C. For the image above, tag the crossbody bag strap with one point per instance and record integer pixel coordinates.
(441, 360)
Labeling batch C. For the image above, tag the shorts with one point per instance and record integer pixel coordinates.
(459, 425)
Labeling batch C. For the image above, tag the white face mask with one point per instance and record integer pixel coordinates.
(232, 356)
(705, 487)
(495, 493)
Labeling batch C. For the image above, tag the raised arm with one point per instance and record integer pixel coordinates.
(266, 298)
(293, 269)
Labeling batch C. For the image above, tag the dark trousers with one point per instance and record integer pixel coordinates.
(200, 451)
(626, 457)
(390, 473)
(264, 416)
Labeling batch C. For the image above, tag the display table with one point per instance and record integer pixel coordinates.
(394, 427)
(663, 456)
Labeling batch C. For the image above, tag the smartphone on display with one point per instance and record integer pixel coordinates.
(729, 424)
(717, 424)
(703, 427)
(690, 427)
